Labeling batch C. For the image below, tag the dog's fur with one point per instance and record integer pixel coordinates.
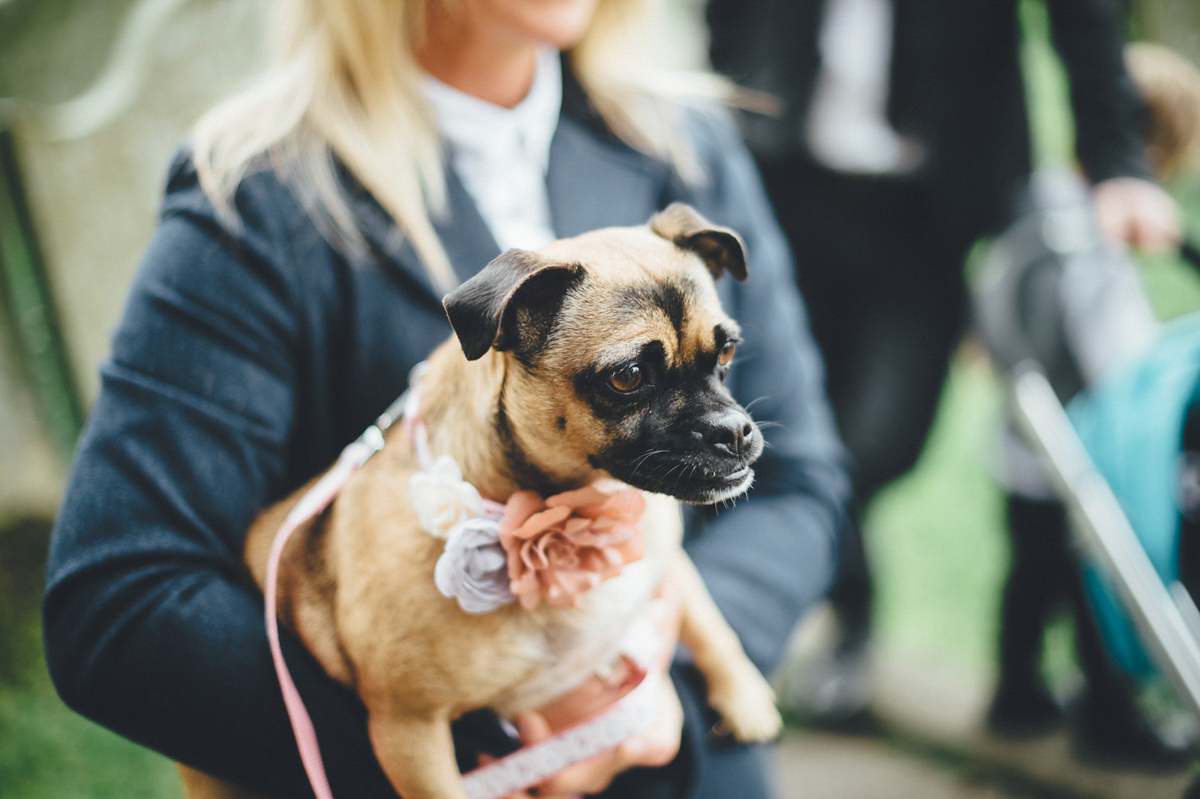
(523, 400)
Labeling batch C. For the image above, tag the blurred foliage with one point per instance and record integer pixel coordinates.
(46, 750)
(22, 568)
(1175, 23)
(89, 26)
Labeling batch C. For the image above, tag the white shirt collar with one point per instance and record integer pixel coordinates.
(502, 154)
(468, 123)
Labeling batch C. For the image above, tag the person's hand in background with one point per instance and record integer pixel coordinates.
(1137, 213)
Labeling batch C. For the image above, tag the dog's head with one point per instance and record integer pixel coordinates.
(616, 352)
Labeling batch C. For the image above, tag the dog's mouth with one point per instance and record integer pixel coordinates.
(702, 457)
(689, 481)
(737, 483)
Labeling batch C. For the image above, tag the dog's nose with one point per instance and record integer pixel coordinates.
(730, 432)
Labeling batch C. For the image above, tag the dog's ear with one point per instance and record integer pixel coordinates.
(720, 248)
(511, 304)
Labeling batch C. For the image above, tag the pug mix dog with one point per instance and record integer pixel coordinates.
(601, 356)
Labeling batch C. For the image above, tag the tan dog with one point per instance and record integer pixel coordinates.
(601, 355)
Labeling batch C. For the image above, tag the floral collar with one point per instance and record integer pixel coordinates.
(528, 549)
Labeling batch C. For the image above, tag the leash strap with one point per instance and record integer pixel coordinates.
(521, 769)
(315, 500)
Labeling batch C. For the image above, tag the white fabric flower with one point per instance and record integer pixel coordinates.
(442, 499)
(474, 567)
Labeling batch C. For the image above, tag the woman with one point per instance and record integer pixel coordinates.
(294, 280)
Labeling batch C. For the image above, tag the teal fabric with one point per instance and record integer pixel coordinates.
(1132, 426)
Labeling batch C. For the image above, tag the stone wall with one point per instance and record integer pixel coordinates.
(94, 197)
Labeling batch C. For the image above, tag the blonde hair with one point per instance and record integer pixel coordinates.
(342, 82)
(1170, 86)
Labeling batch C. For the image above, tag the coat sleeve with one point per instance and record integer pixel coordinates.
(768, 557)
(1107, 108)
(151, 627)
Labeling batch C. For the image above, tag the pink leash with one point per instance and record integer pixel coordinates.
(521, 769)
(315, 500)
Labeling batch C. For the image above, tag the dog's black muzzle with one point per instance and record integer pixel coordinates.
(731, 432)
(704, 456)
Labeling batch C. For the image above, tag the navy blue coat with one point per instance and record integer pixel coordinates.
(247, 357)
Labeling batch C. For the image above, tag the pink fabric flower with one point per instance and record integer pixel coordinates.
(567, 544)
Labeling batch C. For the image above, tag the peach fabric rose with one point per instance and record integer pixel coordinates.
(562, 546)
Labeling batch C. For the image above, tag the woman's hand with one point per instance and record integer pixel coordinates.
(1138, 213)
(657, 745)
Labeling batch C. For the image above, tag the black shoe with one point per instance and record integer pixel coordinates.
(1023, 712)
(1113, 733)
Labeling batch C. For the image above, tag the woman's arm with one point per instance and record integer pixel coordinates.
(151, 627)
(1110, 128)
(1105, 103)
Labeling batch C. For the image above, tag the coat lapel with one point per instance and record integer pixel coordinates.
(468, 241)
(589, 166)
(464, 234)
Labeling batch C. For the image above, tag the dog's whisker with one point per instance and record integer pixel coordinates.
(750, 405)
(673, 468)
(641, 459)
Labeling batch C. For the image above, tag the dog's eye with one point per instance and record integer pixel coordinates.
(726, 354)
(627, 378)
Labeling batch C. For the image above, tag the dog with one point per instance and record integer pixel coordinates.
(599, 356)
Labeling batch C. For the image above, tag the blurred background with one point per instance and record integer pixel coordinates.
(95, 96)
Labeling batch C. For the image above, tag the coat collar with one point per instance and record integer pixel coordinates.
(588, 167)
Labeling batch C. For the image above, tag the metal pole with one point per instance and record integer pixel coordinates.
(25, 290)
(1161, 614)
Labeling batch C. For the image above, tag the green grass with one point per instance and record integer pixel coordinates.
(48, 752)
(935, 538)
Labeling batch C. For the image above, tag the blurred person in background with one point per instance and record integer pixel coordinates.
(902, 137)
(308, 233)
(1104, 322)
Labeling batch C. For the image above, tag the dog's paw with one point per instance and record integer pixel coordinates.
(746, 703)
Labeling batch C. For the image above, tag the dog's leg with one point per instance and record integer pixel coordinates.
(736, 689)
(417, 754)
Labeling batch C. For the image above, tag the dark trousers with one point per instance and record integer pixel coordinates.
(1044, 578)
(882, 281)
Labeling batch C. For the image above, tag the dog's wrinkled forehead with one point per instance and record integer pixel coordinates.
(636, 289)
(521, 300)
